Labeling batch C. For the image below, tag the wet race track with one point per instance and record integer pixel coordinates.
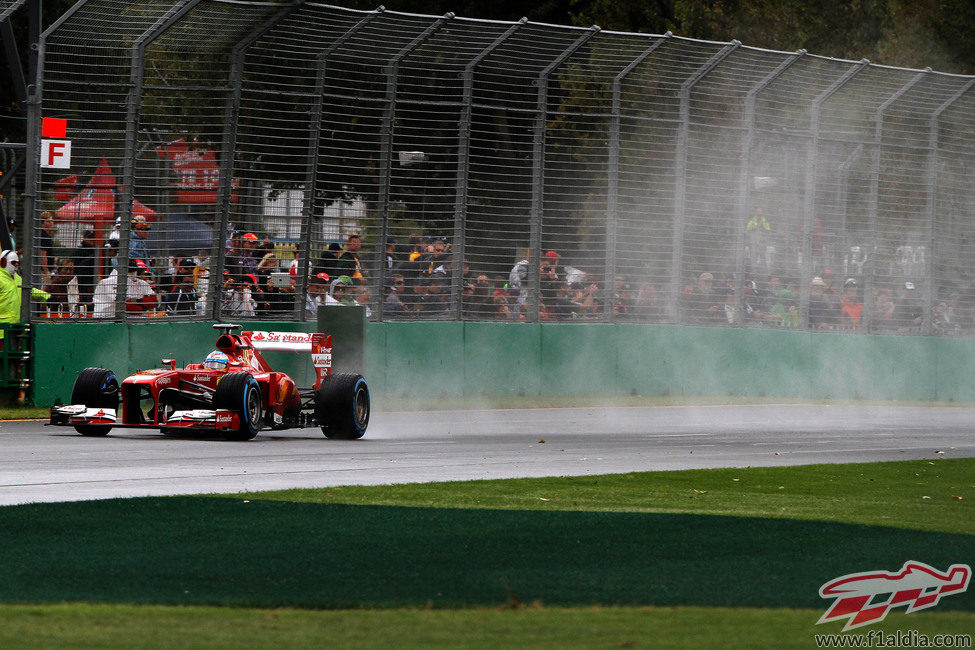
(41, 463)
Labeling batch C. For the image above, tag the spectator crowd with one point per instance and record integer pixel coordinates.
(259, 281)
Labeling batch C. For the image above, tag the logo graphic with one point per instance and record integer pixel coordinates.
(865, 598)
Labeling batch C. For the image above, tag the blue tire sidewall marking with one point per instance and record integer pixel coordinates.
(355, 391)
(250, 386)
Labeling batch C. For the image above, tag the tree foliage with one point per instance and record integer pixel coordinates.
(925, 33)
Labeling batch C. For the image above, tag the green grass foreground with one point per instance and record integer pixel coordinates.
(708, 558)
(175, 628)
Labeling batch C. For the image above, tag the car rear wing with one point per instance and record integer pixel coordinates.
(318, 345)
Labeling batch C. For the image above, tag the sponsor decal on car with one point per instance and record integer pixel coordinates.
(281, 337)
(82, 413)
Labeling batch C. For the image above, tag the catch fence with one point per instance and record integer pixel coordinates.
(622, 169)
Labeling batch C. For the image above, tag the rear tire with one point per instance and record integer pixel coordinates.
(240, 392)
(95, 388)
(342, 406)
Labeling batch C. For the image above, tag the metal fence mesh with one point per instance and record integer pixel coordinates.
(243, 158)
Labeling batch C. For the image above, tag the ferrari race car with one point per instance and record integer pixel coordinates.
(234, 392)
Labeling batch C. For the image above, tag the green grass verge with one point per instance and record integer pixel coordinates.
(927, 495)
(24, 412)
(709, 558)
(175, 628)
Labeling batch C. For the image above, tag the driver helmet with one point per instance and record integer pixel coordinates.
(216, 360)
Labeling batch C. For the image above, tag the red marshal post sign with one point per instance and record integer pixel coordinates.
(55, 149)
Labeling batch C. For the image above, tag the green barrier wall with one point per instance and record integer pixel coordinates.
(433, 359)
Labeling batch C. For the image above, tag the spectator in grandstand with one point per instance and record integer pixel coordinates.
(820, 315)
(549, 280)
(479, 304)
(175, 269)
(241, 261)
(45, 246)
(757, 232)
(340, 292)
(330, 262)
(181, 299)
(624, 297)
(57, 286)
(277, 299)
(941, 321)
(502, 309)
(268, 263)
(12, 231)
(237, 299)
(908, 310)
(646, 305)
(317, 291)
(964, 311)
(830, 294)
(201, 276)
(138, 246)
(350, 257)
(362, 296)
(851, 309)
(755, 309)
(437, 260)
(564, 307)
(337, 261)
(139, 294)
(702, 306)
(111, 253)
(392, 260)
(883, 310)
(395, 306)
(518, 286)
(785, 310)
(434, 302)
(85, 259)
(584, 294)
(731, 312)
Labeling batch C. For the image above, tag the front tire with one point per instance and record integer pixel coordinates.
(240, 392)
(342, 406)
(95, 388)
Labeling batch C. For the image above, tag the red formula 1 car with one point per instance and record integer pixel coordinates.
(234, 392)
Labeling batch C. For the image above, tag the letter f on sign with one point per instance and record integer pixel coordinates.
(56, 154)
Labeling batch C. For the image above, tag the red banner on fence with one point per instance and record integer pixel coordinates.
(197, 172)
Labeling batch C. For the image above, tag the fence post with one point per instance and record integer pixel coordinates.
(745, 181)
(809, 200)
(228, 151)
(538, 174)
(303, 251)
(934, 125)
(32, 157)
(680, 169)
(613, 170)
(133, 113)
(386, 155)
(873, 201)
(463, 167)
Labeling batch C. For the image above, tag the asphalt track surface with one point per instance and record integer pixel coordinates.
(40, 463)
